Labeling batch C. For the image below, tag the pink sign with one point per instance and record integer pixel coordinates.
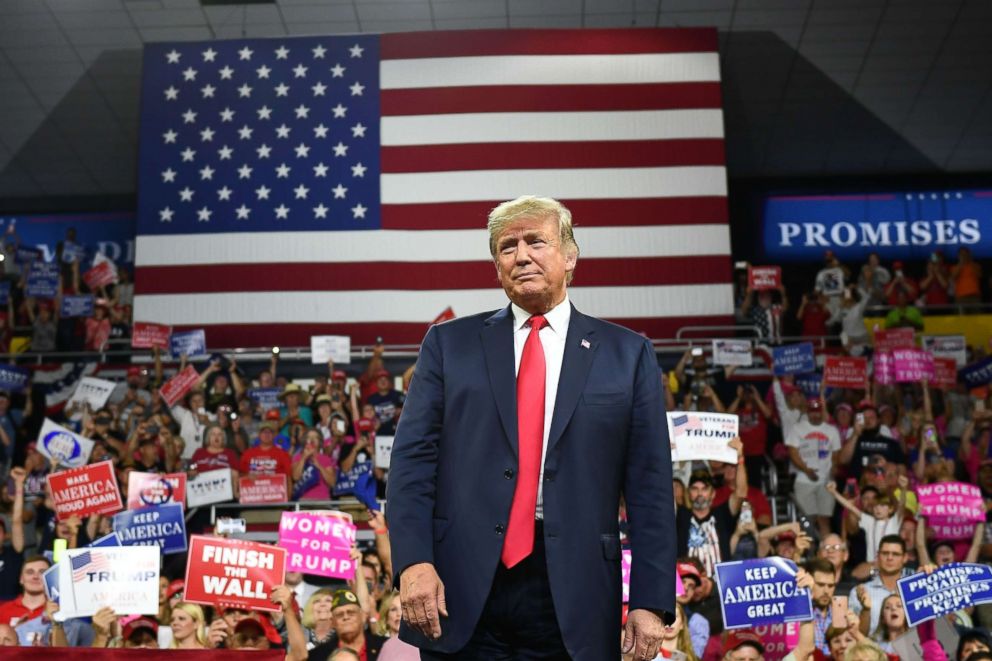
(894, 338)
(764, 277)
(779, 639)
(911, 365)
(885, 369)
(951, 508)
(318, 543)
(147, 489)
(174, 389)
(625, 576)
(149, 336)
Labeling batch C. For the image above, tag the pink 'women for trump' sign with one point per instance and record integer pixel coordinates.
(911, 365)
(951, 508)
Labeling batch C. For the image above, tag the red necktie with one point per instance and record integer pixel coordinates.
(530, 440)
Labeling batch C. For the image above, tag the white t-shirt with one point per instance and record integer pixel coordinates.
(816, 445)
(875, 530)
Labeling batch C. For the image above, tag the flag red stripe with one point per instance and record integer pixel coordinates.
(587, 213)
(462, 43)
(367, 276)
(298, 335)
(531, 155)
(538, 98)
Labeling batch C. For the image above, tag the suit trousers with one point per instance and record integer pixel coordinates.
(518, 622)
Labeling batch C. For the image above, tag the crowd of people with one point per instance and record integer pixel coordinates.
(850, 460)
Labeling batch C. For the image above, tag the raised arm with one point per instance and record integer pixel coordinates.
(739, 495)
(922, 554)
(976, 544)
(17, 516)
(844, 502)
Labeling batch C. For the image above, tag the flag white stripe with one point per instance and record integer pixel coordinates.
(405, 306)
(414, 246)
(612, 125)
(550, 70)
(585, 183)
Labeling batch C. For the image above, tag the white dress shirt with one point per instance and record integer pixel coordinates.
(553, 337)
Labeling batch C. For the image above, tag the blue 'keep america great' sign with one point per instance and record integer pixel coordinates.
(794, 359)
(761, 592)
(948, 589)
(162, 526)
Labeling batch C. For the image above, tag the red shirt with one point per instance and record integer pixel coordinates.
(815, 320)
(12, 612)
(266, 461)
(760, 506)
(204, 460)
(753, 430)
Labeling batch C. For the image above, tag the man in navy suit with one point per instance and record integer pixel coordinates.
(521, 431)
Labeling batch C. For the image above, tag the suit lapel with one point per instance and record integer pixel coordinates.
(580, 346)
(497, 343)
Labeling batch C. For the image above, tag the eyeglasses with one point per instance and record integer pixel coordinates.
(834, 547)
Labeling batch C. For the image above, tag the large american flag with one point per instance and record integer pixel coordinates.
(340, 185)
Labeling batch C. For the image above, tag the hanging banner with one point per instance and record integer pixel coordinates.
(62, 446)
(86, 490)
(325, 348)
(793, 359)
(122, 578)
(911, 365)
(702, 436)
(845, 372)
(732, 352)
(950, 588)
(318, 543)
(176, 388)
(146, 335)
(210, 487)
(93, 391)
(260, 489)
(754, 592)
(233, 573)
(147, 489)
(162, 527)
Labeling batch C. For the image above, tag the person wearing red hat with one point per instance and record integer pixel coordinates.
(814, 449)
(98, 327)
(743, 645)
(695, 623)
(387, 402)
(265, 458)
(901, 283)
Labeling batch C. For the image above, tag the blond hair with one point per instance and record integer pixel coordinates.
(863, 651)
(307, 619)
(196, 613)
(531, 206)
(382, 624)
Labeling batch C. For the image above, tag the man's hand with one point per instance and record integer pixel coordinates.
(19, 475)
(642, 634)
(422, 596)
(282, 596)
(218, 632)
(811, 474)
(104, 621)
(737, 445)
(864, 596)
(804, 579)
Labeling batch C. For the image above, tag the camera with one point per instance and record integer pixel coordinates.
(697, 351)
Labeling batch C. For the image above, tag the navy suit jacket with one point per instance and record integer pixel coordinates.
(453, 473)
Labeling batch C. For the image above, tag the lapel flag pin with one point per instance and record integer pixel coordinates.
(585, 344)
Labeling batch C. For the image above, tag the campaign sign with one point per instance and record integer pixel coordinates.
(325, 348)
(779, 639)
(265, 398)
(945, 372)
(62, 446)
(86, 490)
(101, 275)
(895, 338)
(43, 280)
(176, 388)
(952, 508)
(192, 343)
(146, 335)
(318, 543)
(884, 368)
(754, 592)
(27, 255)
(793, 359)
(76, 306)
(93, 391)
(210, 487)
(947, 346)
(732, 352)
(977, 374)
(51, 578)
(233, 573)
(950, 588)
(845, 371)
(809, 383)
(147, 489)
(348, 480)
(110, 539)
(701, 436)
(122, 578)
(760, 278)
(383, 451)
(625, 574)
(163, 527)
(14, 378)
(911, 365)
(258, 489)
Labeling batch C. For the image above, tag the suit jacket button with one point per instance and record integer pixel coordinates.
(499, 528)
(549, 476)
(508, 473)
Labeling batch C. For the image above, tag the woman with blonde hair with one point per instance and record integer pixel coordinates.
(390, 613)
(189, 629)
(676, 638)
(865, 650)
(318, 626)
